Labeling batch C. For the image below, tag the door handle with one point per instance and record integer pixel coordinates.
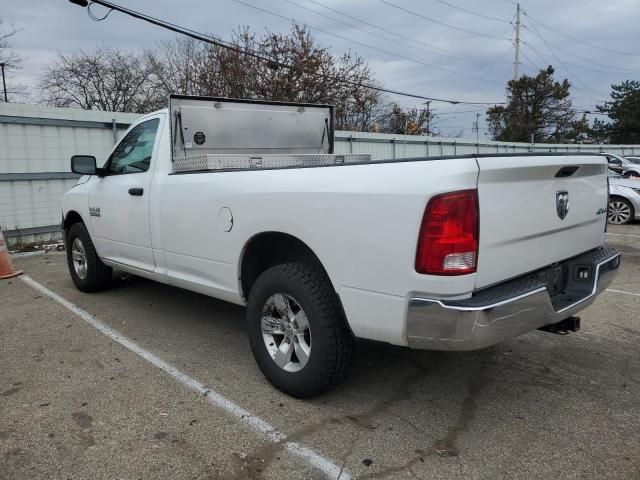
(136, 192)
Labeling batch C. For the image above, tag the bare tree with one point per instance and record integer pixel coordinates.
(410, 122)
(180, 66)
(12, 62)
(301, 71)
(106, 79)
(357, 108)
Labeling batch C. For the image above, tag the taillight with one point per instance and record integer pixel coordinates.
(449, 235)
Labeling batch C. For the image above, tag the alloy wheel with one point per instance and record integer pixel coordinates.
(79, 257)
(286, 332)
(619, 212)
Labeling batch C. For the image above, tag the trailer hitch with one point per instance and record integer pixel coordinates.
(564, 327)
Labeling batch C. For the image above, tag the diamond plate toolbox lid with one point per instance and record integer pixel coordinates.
(213, 162)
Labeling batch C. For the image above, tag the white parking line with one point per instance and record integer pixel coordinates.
(313, 458)
(27, 254)
(621, 291)
(622, 235)
(37, 252)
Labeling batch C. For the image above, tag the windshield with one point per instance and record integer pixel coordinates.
(635, 160)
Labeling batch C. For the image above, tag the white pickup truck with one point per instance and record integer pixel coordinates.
(245, 201)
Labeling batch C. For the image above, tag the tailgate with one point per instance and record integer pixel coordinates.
(521, 204)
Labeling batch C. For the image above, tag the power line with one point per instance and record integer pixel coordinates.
(451, 53)
(250, 53)
(580, 41)
(95, 17)
(463, 128)
(579, 66)
(545, 61)
(576, 78)
(489, 17)
(411, 12)
(620, 69)
(460, 111)
(489, 60)
(350, 25)
(496, 56)
(531, 63)
(588, 60)
(363, 44)
(504, 74)
(487, 65)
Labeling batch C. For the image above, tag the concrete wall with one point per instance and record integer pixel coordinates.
(36, 143)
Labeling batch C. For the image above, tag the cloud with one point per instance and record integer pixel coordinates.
(50, 27)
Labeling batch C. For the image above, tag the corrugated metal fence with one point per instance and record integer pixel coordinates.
(384, 146)
(36, 143)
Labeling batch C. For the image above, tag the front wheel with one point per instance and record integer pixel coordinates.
(620, 211)
(87, 271)
(297, 330)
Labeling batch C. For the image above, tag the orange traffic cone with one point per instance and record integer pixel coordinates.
(6, 269)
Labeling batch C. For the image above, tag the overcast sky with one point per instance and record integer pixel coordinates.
(407, 52)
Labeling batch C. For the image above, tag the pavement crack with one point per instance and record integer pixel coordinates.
(446, 446)
(259, 460)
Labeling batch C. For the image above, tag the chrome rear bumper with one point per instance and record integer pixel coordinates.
(509, 309)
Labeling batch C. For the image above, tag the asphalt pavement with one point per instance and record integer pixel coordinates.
(183, 399)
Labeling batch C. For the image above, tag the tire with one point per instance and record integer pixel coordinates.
(631, 174)
(303, 290)
(95, 275)
(620, 211)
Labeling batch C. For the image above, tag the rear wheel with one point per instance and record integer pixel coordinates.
(620, 211)
(297, 331)
(87, 271)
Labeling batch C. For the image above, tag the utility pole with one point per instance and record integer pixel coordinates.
(4, 83)
(476, 126)
(428, 116)
(516, 64)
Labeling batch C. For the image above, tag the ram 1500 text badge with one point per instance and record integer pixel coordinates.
(246, 201)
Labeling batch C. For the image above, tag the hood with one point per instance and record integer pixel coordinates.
(625, 182)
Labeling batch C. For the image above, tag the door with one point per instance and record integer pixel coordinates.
(615, 164)
(537, 210)
(119, 202)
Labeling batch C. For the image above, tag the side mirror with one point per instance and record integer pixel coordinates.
(83, 164)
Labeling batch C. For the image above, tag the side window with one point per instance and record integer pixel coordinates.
(133, 153)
